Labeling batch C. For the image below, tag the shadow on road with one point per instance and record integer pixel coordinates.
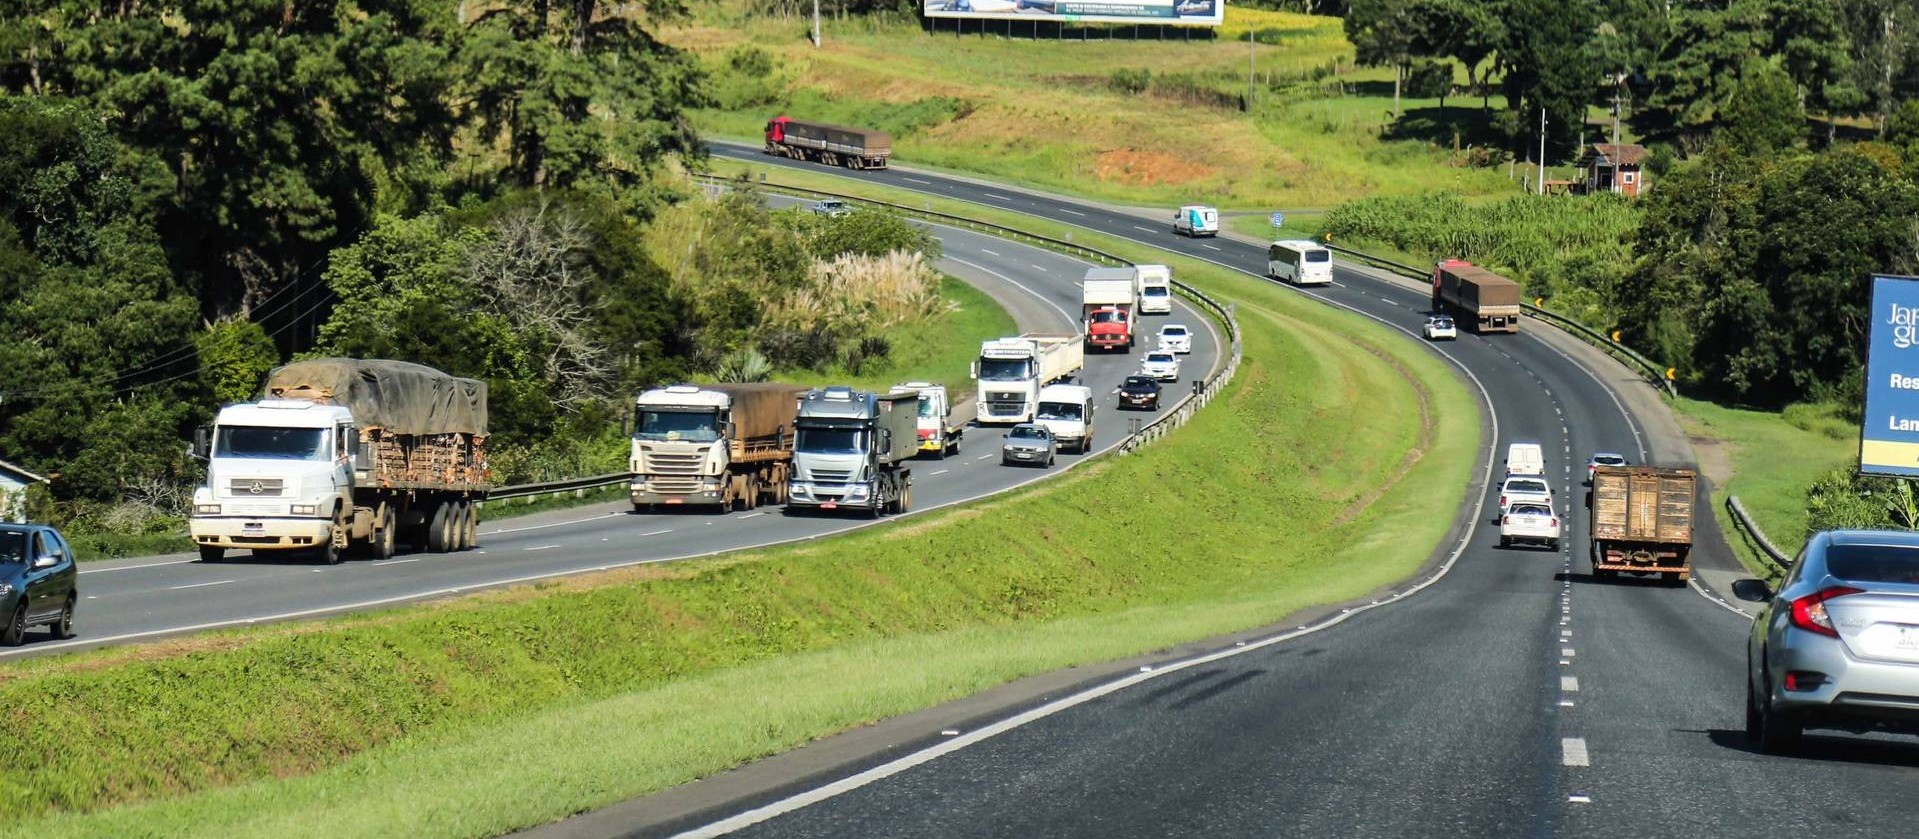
(1637, 581)
(1833, 747)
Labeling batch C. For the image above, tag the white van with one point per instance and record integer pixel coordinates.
(1155, 289)
(1067, 411)
(1299, 261)
(1525, 458)
(1196, 220)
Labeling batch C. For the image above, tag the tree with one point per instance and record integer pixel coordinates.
(1468, 30)
(1704, 60)
(1762, 114)
(1384, 34)
(1549, 64)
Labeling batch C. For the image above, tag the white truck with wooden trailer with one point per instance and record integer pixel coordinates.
(726, 445)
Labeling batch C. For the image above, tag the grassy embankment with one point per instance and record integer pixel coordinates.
(1092, 118)
(1773, 457)
(480, 715)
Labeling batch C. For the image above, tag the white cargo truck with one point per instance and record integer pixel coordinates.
(1011, 371)
(939, 430)
(1155, 289)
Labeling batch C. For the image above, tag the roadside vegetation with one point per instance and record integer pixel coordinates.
(1772, 460)
(473, 717)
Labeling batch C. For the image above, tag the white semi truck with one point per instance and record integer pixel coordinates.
(340, 453)
(726, 445)
(1012, 370)
(852, 449)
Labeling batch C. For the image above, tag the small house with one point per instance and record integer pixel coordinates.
(1602, 161)
(13, 491)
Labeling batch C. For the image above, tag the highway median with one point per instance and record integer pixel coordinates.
(1328, 469)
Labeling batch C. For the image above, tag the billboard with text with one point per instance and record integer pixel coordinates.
(1889, 441)
(1168, 12)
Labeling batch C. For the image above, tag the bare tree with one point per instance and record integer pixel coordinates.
(532, 272)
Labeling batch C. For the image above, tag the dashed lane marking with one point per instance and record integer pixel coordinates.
(385, 562)
(1573, 751)
(1569, 684)
(1072, 212)
(917, 181)
(988, 253)
(1144, 229)
(202, 585)
(542, 547)
(942, 471)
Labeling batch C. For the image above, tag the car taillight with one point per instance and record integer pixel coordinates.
(1502, 501)
(1555, 524)
(1809, 612)
(1505, 519)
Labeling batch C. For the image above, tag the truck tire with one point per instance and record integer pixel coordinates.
(385, 539)
(456, 525)
(473, 526)
(210, 554)
(330, 552)
(437, 531)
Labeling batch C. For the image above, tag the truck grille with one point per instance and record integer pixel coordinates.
(256, 487)
(832, 476)
(1006, 409)
(254, 509)
(673, 486)
(663, 463)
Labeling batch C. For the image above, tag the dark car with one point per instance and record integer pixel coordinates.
(38, 582)
(1139, 392)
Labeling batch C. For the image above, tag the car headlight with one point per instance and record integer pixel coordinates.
(306, 509)
(206, 509)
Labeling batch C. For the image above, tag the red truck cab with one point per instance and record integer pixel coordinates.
(1109, 327)
(776, 129)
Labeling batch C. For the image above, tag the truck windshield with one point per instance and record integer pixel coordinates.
(1109, 317)
(927, 408)
(1067, 411)
(671, 426)
(271, 443)
(1154, 291)
(830, 440)
(1005, 369)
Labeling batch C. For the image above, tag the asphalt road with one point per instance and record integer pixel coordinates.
(1514, 697)
(138, 599)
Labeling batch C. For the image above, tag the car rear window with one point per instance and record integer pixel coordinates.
(1531, 510)
(1874, 563)
(1525, 486)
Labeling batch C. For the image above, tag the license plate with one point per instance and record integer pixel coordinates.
(676, 501)
(253, 528)
(828, 505)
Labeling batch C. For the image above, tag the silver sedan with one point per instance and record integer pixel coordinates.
(1028, 443)
(1837, 646)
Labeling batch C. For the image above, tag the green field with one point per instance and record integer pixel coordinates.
(1773, 458)
(509, 709)
(1060, 114)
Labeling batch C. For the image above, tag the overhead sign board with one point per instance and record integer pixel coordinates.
(1279, 219)
(1889, 441)
(1167, 12)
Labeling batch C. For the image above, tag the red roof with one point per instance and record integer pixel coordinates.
(1609, 154)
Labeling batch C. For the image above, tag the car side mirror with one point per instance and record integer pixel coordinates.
(46, 561)
(1752, 591)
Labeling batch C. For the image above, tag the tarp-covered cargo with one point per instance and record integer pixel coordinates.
(398, 397)
(762, 409)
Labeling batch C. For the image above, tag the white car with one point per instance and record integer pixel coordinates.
(1161, 365)
(1524, 489)
(1175, 337)
(1527, 522)
(1441, 328)
(832, 208)
(1602, 459)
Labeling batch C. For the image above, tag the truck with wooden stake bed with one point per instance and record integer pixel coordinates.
(1475, 297)
(341, 453)
(833, 145)
(851, 451)
(1011, 371)
(728, 446)
(1641, 518)
(940, 430)
(1109, 307)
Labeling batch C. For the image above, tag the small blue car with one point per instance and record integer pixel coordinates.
(38, 582)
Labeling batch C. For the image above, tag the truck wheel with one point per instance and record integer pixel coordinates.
(209, 553)
(437, 530)
(384, 538)
(456, 523)
(327, 554)
(473, 525)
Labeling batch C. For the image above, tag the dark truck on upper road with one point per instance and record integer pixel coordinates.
(1475, 297)
(833, 145)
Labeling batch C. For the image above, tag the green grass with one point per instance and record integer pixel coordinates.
(940, 350)
(490, 713)
(1774, 456)
(1048, 113)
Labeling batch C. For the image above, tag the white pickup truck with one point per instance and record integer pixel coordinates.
(1524, 489)
(1529, 523)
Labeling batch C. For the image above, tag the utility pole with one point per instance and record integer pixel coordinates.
(1249, 71)
(1542, 150)
(816, 24)
(1615, 134)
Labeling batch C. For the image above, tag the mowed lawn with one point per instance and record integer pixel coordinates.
(1047, 113)
(478, 716)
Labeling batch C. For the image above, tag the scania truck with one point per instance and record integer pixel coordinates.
(727, 445)
(851, 451)
(341, 453)
(1011, 371)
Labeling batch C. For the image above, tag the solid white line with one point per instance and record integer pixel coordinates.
(542, 547)
(1569, 684)
(138, 567)
(199, 585)
(1573, 751)
(551, 524)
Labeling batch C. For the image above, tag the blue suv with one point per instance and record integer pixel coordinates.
(38, 582)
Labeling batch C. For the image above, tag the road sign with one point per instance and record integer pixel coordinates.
(1279, 219)
(1889, 442)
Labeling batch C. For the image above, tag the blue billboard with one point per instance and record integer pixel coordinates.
(1889, 442)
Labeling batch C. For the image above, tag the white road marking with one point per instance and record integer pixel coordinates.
(1209, 247)
(545, 526)
(942, 471)
(1579, 799)
(386, 562)
(1144, 229)
(657, 532)
(542, 547)
(1573, 752)
(138, 567)
(1566, 651)
(752, 515)
(996, 197)
(1565, 703)
(203, 585)
(1071, 322)
(1569, 684)
(1072, 212)
(916, 180)
(988, 253)
(1040, 269)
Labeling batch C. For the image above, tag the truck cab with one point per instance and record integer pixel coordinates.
(1109, 328)
(278, 474)
(1155, 289)
(1067, 412)
(939, 433)
(849, 450)
(678, 452)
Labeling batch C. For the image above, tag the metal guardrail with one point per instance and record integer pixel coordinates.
(1182, 411)
(578, 486)
(1653, 372)
(1771, 552)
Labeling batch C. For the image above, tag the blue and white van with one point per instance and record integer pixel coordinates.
(1196, 220)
